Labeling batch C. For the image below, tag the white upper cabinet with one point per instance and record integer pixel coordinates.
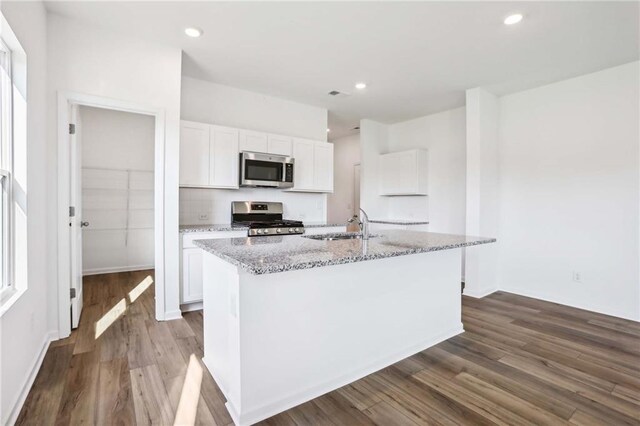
(194, 154)
(253, 141)
(403, 173)
(313, 168)
(303, 165)
(281, 145)
(209, 156)
(323, 166)
(224, 157)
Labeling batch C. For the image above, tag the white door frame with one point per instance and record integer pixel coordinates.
(64, 261)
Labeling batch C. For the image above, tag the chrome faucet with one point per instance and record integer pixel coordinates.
(365, 225)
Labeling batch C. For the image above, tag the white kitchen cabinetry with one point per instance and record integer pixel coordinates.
(224, 157)
(323, 166)
(281, 145)
(313, 170)
(191, 263)
(403, 173)
(303, 166)
(194, 154)
(208, 155)
(253, 141)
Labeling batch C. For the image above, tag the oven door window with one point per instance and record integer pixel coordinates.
(263, 170)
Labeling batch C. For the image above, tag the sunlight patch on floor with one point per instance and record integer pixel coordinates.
(110, 317)
(188, 405)
(140, 288)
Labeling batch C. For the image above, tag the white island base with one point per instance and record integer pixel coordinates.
(274, 341)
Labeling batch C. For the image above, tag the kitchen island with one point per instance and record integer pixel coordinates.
(289, 318)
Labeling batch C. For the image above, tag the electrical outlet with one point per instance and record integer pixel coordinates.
(203, 216)
(577, 276)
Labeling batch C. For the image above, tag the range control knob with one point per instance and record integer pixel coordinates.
(278, 230)
(260, 231)
(291, 230)
(297, 229)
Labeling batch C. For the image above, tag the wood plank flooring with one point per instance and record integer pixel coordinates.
(520, 361)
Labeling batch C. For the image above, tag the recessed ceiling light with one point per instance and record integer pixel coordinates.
(328, 130)
(361, 85)
(513, 19)
(193, 32)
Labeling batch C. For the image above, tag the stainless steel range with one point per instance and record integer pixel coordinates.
(263, 218)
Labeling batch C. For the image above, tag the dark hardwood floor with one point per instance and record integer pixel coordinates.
(520, 361)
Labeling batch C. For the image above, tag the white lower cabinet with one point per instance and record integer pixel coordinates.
(191, 263)
(191, 275)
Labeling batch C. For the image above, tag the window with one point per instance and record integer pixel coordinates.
(6, 166)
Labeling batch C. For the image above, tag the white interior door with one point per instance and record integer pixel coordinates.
(75, 220)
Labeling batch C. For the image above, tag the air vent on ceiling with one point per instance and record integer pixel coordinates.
(338, 93)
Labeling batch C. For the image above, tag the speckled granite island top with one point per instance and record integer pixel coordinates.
(267, 255)
(187, 229)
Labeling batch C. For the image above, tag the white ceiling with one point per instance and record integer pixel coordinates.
(417, 58)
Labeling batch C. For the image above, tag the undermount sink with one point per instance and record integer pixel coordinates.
(333, 237)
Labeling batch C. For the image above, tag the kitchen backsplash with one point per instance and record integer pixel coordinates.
(209, 206)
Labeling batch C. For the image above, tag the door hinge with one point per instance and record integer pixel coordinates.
(72, 129)
(72, 211)
(72, 293)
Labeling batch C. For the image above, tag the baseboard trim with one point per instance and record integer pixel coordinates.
(172, 315)
(100, 271)
(478, 294)
(545, 298)
(273, 408)
(26, 387)
(188, 307)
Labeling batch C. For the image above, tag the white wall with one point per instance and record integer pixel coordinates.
(117, 190)
(482, 190)
(346, 154)
(88, 60)
(443, 136)
(374, 140)
(24, 328)
(208, 102)
(569, 189)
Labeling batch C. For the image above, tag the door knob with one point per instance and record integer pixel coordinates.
(84, 224)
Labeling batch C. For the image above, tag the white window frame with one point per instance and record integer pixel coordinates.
(7, 285)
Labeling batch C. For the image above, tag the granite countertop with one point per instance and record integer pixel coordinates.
(266, 255)
(185, 229)
(400, 222)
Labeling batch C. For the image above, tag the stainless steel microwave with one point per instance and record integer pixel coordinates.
(259, 169)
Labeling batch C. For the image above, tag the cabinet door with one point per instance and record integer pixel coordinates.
(303, 168)
(191, 275)
(224, 157)
(280, 145)
(398, 173)
(406, 172)
(194, 154)
(323, 166)
(253, 141)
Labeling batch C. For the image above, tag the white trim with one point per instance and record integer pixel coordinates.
(26, 386)
(305, 395)
(478, 294)
(190, 307)
(172, 315)
(65, 99)
(99, 271)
